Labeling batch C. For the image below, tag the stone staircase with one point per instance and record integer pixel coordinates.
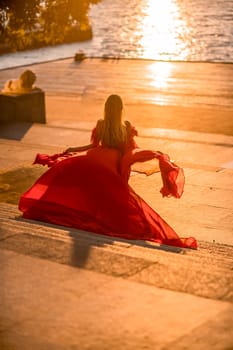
(206, 272)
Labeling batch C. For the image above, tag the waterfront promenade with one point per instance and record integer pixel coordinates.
(172, 95)
(65, 289)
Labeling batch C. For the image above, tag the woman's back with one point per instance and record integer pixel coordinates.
(120, 137)
(111, 131)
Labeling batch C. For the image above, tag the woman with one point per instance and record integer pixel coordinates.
(87, 187)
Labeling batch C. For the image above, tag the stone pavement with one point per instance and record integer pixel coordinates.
(205, 209)
(70, 290)
(65, 289)
(171, 95)
(46, 305)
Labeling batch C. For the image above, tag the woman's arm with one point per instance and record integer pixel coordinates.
(79, 148)
(94, 139)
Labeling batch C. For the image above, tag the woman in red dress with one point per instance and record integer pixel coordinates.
(87, 187)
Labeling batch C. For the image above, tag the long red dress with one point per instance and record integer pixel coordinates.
(89, 190)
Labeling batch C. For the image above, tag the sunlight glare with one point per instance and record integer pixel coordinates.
(160, 73)
(163, 30)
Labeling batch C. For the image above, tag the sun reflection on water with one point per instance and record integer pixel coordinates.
(163, 31)
(163, 35)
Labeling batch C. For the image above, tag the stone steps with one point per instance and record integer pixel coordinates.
(206, 272)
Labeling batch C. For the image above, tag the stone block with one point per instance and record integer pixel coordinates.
(28, 107)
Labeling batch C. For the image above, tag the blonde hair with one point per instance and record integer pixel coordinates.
(110, 130)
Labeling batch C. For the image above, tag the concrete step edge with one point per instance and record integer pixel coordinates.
(187, 271)
(161, 133)
(11, 220)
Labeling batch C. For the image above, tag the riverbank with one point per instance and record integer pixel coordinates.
(37, 41)
(143, 30)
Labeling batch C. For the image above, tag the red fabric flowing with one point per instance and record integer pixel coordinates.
(89, 190)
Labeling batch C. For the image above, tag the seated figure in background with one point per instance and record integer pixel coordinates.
(24, 84)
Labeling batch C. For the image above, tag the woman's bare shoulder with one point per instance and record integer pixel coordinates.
(98, 128)
(99, 122)
(130, 128)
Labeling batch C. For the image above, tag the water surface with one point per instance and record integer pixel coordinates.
(164, 30)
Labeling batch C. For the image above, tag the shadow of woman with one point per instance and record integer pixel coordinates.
(74, 247)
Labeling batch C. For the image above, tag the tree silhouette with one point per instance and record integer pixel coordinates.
(33, 23)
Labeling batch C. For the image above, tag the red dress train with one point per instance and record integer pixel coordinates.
(89, 190)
